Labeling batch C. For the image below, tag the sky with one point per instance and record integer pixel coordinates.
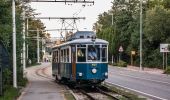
(66, 10)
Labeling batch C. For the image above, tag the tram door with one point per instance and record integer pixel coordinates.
(73, 59)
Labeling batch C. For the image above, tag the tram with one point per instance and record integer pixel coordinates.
(82, 59)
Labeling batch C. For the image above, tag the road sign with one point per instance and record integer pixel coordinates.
(133, 52)
(164, 47)
(120, 49)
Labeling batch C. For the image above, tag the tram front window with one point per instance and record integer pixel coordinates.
(104, 54)
(81, 54)
(93, 52)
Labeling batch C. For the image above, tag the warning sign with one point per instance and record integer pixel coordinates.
(120, 49)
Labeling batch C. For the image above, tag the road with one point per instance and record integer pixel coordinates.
(42, 86)
(39, 87)
(152, 85)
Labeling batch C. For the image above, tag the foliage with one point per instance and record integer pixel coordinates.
(125, 29)
(6, 37)
(167, 71)
(10, 94)
(121, 63)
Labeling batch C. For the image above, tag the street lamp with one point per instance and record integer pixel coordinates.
(141, 1)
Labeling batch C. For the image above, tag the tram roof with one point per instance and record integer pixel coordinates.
(83, 41)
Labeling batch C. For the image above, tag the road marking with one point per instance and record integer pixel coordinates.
(149, 95)
(142, 78)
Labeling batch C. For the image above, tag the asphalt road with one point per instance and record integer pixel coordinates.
(155, 86)
(41, 88)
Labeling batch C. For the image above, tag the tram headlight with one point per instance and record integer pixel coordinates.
(106, 74)
(94, 70)
(80, 74)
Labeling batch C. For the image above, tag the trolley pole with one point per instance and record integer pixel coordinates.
(14, 45)
(38, 48)
(141, 1)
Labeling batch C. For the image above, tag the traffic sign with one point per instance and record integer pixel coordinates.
(120, 49)
(164, 48)
(133, 52)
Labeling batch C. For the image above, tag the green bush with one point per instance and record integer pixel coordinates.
(10, 94)
(122, 64)
(167, 71)
(114, 63)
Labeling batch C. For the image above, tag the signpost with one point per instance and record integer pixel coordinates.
(132, 54)
(120, 52)
(164, 48)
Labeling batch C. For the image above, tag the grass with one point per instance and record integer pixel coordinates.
(69, 96)
(10, 94)
(167, 71)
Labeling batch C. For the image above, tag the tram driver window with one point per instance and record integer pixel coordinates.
(93, 52)
(81, 54)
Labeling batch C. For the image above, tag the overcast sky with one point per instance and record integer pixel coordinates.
(61, 10)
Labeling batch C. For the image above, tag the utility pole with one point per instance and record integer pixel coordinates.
(112, 19)
(27, 36)
(14, 45)
(24, 47)
(141, 1)
(38, 48)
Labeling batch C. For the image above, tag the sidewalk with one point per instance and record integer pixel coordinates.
(147, 70)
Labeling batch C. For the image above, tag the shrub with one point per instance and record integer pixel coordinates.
(122, 64)
(167, 71)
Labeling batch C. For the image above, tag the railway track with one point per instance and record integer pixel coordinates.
(107, 94)
(41, 72)
(97, 93)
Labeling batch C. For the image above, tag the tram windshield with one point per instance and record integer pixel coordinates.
(88, 53)
(93, 52)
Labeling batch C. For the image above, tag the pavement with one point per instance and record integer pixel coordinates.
(145, 70)
(41, 88)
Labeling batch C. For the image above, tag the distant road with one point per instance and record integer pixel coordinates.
(151, 85)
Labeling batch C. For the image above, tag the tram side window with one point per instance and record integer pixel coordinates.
(81, 54)
(67, 57)
(104, 54)
(54, 56)
(61, 56)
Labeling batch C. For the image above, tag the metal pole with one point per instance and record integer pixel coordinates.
(27, 36)
(163, 61)
(141, 1)
(24, 47)
(14, 45)
(166, 60)
(38, 48)
(131, 60)
(112, 18)
(112, 59)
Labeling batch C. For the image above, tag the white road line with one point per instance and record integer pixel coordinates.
(142, 78)
(149, 95)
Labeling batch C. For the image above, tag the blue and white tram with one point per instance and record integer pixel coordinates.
(82, 59)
